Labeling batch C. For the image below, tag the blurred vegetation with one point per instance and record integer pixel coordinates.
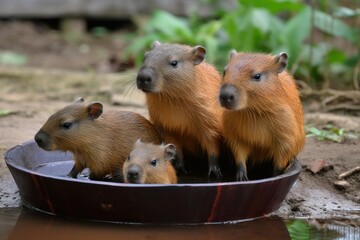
(322, 39)
(329, 133)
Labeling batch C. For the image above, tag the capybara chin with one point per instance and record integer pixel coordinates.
(263, 117)
(181, 92)
(149, 163)
(99, 141)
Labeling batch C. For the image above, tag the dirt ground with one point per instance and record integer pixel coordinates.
(54, 76)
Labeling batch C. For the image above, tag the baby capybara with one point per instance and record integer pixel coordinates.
(263, 119)
(149, 163)
(99, 141)
(181, 92)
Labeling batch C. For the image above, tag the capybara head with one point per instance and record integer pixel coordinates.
(250, 79)
(149, 163)
(68, 128)
(168, 67)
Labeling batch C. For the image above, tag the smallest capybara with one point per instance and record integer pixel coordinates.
(149, 163)
(99, 141)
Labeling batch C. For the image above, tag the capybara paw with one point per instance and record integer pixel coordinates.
(241, 176)
(215, 171)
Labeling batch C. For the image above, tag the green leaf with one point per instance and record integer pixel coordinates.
(5, 112)
(274, 6)
(12, 58)
(296, 31)
(170, 26)
(335, 27)
(298, 230)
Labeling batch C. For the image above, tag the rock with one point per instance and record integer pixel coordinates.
(317, 165)
(341, 185)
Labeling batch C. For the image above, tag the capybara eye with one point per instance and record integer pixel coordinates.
(128, 158)
(66, 125)
(256, 77)
(224, 71)
(174, 63)
(153, 162)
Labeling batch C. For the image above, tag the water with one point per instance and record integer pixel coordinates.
(21, 223)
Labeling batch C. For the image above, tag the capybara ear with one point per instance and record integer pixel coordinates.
(169, 152)
(233, 53)
(156, 43)
(281, 61)
(138, 142)
(95, 110)
(79, 100)
(198, 54)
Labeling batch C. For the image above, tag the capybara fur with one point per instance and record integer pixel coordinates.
(264, 118)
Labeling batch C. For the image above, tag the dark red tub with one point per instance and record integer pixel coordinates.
(37, 174)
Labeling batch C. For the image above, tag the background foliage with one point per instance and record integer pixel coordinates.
(322, 39)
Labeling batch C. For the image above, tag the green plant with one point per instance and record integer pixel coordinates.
(166, 27)
(268, 26)
(329, 132)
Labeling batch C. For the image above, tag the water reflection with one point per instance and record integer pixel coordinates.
(33, 225)
(27, 224)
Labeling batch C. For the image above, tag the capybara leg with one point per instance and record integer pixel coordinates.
(214, 167)
(281, 161)
(277, 171)
(241, 174)
(73, 172)
(241, 154)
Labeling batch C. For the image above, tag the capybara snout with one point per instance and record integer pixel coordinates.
(146, 80)
(42, 139)
(229, 96)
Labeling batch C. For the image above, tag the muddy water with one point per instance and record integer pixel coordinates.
(21, 223)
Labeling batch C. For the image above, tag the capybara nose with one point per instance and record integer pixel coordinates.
(133, 174)
(228, 96)
(145, 79)
(42, 139)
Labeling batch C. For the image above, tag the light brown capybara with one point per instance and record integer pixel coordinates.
(150, 163)
(99, 141)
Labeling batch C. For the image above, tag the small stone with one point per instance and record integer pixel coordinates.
(341, 185)
(317, 165)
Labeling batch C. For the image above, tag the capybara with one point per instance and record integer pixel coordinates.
(182, 98)
(99, 141)
(263, 119)
(150, 163)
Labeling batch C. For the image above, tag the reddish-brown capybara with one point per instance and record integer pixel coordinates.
(182, 98)
(264, 116)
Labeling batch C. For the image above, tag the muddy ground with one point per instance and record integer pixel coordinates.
(58, 71)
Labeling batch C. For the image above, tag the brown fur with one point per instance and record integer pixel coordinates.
(267, 122)
(102, 142)
(183, 105)
(142, 156)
